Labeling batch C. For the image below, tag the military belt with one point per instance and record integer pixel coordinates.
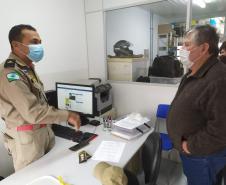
(28, 127)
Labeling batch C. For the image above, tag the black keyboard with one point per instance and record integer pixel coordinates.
(71, 134)
(67, 133)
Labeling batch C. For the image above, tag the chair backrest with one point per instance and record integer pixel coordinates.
(162, 110)
(151, 157)
(160, 126)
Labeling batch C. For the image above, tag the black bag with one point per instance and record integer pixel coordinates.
(166, 66)
(143, 79)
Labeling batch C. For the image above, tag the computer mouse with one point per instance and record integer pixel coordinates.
(94, 122)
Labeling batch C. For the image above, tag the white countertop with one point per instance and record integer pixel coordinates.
(60, 161)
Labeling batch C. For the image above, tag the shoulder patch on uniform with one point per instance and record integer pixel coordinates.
(13, 76)
(10, 63)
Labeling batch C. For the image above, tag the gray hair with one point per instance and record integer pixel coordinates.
(206, 34)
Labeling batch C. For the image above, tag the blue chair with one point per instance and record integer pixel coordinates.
(162, 111)
(161, 116)
(171, 172)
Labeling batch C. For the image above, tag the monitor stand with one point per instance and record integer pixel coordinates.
(84, 119)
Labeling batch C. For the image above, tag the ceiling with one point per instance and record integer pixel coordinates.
(177, 9)
(214, 9)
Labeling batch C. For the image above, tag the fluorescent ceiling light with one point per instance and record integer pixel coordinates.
(200, 3)
(209, 1)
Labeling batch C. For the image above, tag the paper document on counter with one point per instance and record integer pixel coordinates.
(132, 121)
(110, 151)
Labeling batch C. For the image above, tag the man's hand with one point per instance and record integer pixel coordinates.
(74, 119)
(185, 147)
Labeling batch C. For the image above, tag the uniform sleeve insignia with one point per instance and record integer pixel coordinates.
(10, 63)
(13, 76)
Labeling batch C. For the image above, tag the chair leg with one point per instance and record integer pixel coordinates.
(132, 179)
(224, 175)
(219, 178)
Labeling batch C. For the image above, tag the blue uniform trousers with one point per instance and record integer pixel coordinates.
(203, 170)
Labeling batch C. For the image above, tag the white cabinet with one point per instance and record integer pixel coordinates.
(167, 40)
(95, 43)
(163, 44)
(126, 69)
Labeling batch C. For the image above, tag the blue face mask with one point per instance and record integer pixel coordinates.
(36, 52)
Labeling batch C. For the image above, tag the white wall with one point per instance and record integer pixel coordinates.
(131, 24)
(137, 97)
(61, 25)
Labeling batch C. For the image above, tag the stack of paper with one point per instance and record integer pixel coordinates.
(131, 126)
(130, 123)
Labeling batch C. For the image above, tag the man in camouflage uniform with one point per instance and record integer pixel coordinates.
(23, 105)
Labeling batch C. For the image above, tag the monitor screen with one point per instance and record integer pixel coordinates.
(75, 97)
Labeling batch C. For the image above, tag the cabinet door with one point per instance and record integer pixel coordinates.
(112, 4)
(95, 42)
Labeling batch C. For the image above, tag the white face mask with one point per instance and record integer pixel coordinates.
(184, 57)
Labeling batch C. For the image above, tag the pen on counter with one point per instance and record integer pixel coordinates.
(140, 130)
(110, 119)
(147, 125)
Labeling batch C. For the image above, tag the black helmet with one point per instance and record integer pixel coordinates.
(121, 48)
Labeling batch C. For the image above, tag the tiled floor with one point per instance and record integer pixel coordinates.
(171, 173)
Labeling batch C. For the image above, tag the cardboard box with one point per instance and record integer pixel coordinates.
(126, 69)
(164, 28)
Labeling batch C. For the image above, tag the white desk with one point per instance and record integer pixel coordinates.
(62, 162)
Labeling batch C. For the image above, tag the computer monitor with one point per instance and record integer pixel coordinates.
(76, 97)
